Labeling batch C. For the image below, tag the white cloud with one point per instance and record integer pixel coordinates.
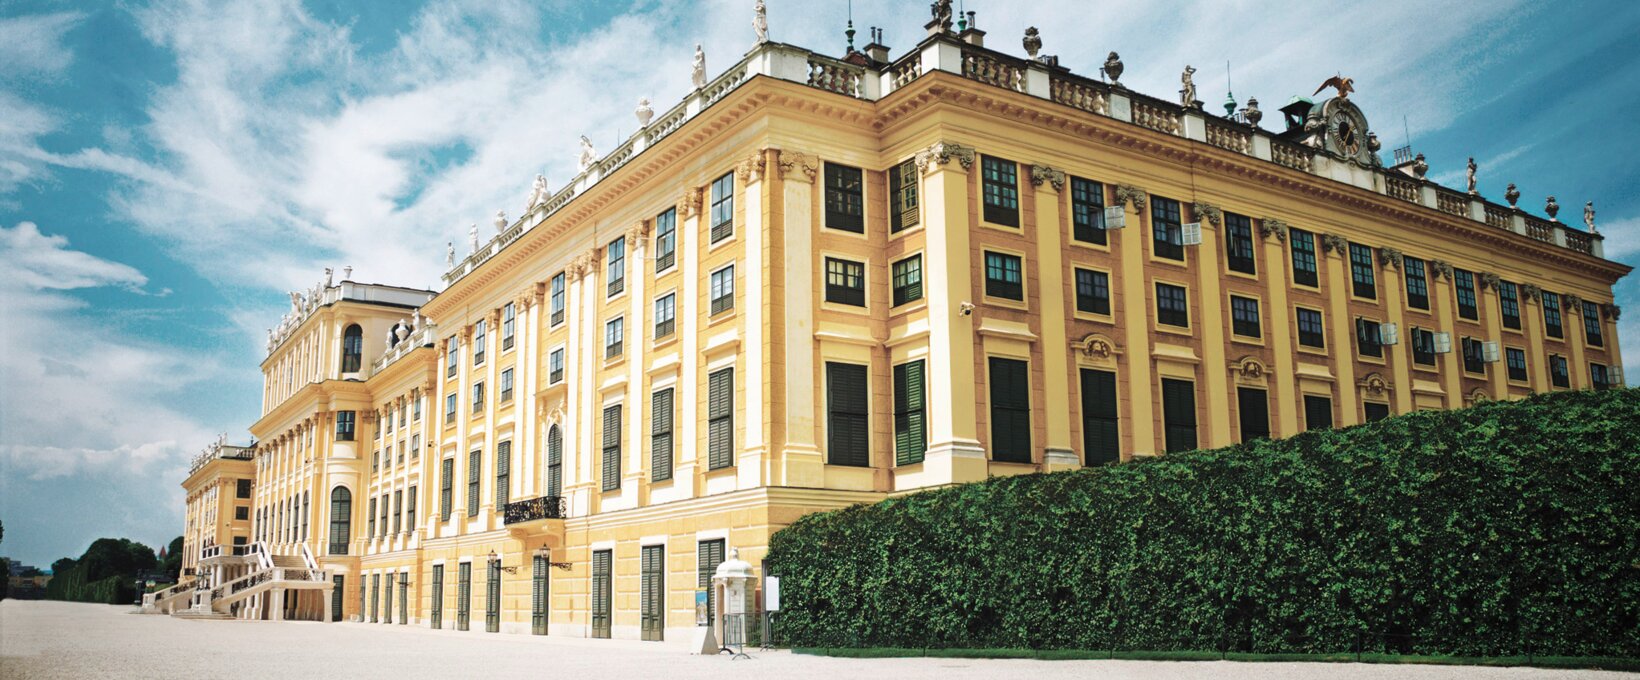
(31, 45)
(1622, 235)
(88, 422)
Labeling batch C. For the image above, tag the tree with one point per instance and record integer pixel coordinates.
(62, 566)
(172, 564)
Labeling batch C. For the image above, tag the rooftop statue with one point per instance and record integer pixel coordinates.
(1113, 68)
(698, 72)
(760, 21)
(1469, 174)
(500, 221)
(644, 112)
(449, 254)
(1188, 93)
(588, 156)
(330, 274)
(1343, 85)
(1033, 41)
(1588, 216)
(941, 9)
(538, 193)
(472, 237)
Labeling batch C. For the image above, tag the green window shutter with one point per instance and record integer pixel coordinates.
(555, 462)
(1179, 414)
(1101, 434)
(1010, 410)
(708, 555)
(448, 473)
(612, 448)
(910, 414)
(1253, 406)
(720, 437)
(503, 473)
(848, 426)
(660, 429)
(475, 461)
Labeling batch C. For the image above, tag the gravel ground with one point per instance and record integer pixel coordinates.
(64, 640)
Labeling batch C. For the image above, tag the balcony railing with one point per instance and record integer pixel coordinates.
(540, 507)
(1451, 202)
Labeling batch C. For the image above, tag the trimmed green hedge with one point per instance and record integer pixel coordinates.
(1507, 529)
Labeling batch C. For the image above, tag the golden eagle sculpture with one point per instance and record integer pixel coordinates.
(1338, 82)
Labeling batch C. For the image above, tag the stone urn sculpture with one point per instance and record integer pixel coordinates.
(1511, 194)
(644, 112)
(1552, 208)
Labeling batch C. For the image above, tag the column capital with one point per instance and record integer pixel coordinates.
(1210, 212)
(751, 169)
(941, 153)
(689, 202)
(1049, 174)
(1271, 227)
(797, 160)
(1441, 268)
(1333, 243)
(1132, 196)
(1390, 258)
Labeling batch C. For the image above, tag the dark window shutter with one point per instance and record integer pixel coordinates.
(720, 436)
(1254, 407)
(660, 449)
(708, 555)
(910, 414)
(1317, 412)
(848, 423)
(555, 462)
(503, 473)
(1101, 436)
(1010, 410)
(612, 448)
(1179, 414)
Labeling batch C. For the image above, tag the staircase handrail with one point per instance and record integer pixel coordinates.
(307, 557)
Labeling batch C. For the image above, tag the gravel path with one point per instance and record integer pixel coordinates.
(64, 640)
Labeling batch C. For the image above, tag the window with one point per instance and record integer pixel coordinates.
(1423, 347)
(415, 407)
(666, 240)
(1239, 244)
(845, 198)
(1311, 333)
(398, 511)
(651, 592)
(410, 510)
(902, 189)
(907, 280)
(1101, 441)
(848, 426)
(1591, 324)
(555, 366)
(370, 519)
(415, 446)
(344, 426)
(1092, 292)
(352, 349)
(1087, 211)
(555, 462)
(1318, 413)
(384, 513)
(660, 435)
(464, 594)
(1375, 411)
(723, 289)
(614, 337)
(1365, 285)
(720, 415)
(506, 385)
(1599, 377)
(1551, 315)
(1165, 224)
(478, 399)
(612, 448)
(666, 312)
(376, 461)
(1010, 410)
(1244, 317)
(1417, 280)
(508, 314)
(242, 512)
(845, 282)
(1369, 340)
(438, 597)
(503, 473)
(446, 482)
(1515, 360)
(1000, 179)
(1509, 304)
(1464, 281)
(375, 597)
(708, 555)
(556, 300)
(451, 350)
(244, 488)
(1303, 245)
(478, 342)
(1253, 407)
(910, 414)
(1003, 276)
(337, 587)
(615, 266)
(1179, 414)
(1172, 309)
(1558, 373)
(449, 408)
(475, 464)
(723, 207)
(1474, 356)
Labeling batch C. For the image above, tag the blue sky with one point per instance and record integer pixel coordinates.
(168, 170)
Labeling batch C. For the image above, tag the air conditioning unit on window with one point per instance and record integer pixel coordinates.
(1443, 343)
(1115, 217)
(1388, 334)
(1489, 352)
(1191, 234)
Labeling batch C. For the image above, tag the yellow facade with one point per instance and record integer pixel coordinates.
(217, 503)
(515, 358)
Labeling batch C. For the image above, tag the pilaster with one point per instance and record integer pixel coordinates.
(1396, 356)
(802, 463)
(1341, 327)
(1210, 271)
(751, 458)
(685, 480)
(1059, 453)
(1273, 232)
(954, 452)
(1441, 298)
(1141, 378)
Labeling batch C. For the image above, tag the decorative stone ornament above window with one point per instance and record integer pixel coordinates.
(1488, 280)
(1530, 292)
(1131, 195)
(1333, 243)
(1272, 227)
(1390, 257)
(941, 153)
(797, 160)
(1208, 211)
(1044, 173)
(1442, 269)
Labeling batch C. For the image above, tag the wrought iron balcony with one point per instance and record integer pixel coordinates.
(538, 508)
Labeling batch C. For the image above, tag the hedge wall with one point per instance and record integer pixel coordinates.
(1508, 528)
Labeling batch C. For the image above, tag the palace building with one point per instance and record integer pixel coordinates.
(817, 282)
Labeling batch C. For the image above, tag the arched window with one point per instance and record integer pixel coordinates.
(352, 349)
(341, 519)
(555, 462)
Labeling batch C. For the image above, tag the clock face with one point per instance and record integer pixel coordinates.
(1347, 131)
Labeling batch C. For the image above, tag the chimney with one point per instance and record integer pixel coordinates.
(877, 51)
(970, 34)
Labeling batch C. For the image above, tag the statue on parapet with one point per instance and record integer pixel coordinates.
(1588, 216)
(588, 156)
(760, 21)
(1188, 93)
(1469, 175)
(1338, 82)
(697, 72)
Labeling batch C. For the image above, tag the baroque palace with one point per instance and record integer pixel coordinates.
(817, 282)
